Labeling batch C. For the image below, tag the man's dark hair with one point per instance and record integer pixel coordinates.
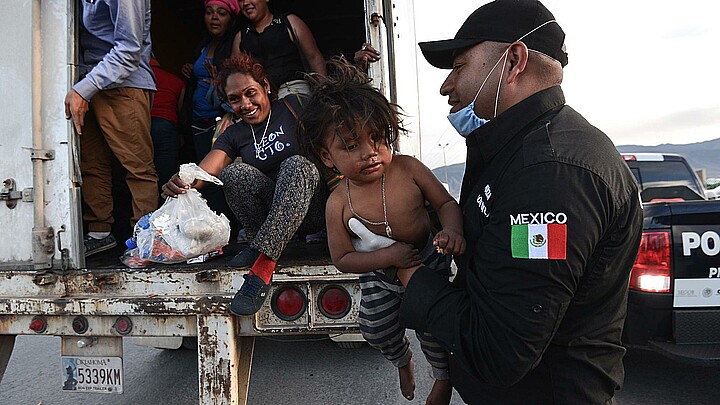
(345, 99)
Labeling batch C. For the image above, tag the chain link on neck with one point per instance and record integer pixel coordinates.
(255, 142)
(388, 230)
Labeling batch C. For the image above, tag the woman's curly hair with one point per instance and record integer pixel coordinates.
(344, 100)
(245, 64)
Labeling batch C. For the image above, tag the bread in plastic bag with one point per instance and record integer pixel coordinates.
(181, 229)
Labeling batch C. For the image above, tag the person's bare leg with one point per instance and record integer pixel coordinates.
(440, 394)
(407, 381)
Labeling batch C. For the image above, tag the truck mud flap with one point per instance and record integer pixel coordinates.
(7, 342)
(700, 355)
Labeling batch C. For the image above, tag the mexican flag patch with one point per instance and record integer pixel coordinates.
(539, 241)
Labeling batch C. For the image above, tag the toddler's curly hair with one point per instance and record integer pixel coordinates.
(345, 99)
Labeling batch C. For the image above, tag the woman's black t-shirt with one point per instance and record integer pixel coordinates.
(267, 149)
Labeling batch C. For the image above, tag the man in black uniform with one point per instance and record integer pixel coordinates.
(552, 219)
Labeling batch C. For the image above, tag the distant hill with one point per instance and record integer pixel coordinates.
(701, 155)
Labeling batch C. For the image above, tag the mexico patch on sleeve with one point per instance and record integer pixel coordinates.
(539, 241)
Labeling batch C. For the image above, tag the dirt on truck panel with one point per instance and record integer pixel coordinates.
(297, 253)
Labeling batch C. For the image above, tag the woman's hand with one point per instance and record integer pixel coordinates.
(187, 70)
(174, 186)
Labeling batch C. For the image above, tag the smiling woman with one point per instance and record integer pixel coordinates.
(274, 190)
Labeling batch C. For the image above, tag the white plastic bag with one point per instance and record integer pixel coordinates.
(182, 228)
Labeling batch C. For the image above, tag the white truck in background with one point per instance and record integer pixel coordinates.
(47, 287)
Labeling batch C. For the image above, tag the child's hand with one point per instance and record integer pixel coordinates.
(404, 254)
(449, 242)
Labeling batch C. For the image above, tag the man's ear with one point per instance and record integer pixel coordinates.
(517, 60)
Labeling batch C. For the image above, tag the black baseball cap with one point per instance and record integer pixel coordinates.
(502, 21)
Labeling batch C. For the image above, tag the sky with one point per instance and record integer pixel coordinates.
(643, 71)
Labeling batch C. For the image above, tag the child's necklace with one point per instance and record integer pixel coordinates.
(388, 230)
(255, 142)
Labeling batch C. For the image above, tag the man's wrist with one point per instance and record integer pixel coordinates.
(86, 89)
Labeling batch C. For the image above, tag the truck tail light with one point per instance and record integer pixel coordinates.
(80, 324)
(38, 324)
(123, 325)
(651, 271)
(334, 302)
(288, 303)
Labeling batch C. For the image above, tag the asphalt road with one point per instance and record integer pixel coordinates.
(308, 372)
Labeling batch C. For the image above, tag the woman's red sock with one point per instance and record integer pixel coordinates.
(264, 268)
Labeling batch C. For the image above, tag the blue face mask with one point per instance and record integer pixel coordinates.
(465, 121)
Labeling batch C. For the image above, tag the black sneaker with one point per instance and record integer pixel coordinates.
(246, 258)
(251, 296)
(93, 245)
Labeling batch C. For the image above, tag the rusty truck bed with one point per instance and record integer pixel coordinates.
(297, 253)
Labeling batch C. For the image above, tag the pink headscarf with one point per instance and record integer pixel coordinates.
(230, 5)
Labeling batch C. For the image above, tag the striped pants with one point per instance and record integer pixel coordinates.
(380, 311)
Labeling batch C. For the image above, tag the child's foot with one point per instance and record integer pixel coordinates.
(407, 381)
(440, 394)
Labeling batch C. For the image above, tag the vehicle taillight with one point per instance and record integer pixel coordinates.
(288, 303)
(334, 302)
(123, 325)
(629, 157)
(80, 324)
(38, 324)
(651, 271)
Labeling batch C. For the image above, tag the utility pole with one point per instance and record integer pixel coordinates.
(445, 162)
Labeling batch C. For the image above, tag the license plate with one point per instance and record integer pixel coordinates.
(92, 374)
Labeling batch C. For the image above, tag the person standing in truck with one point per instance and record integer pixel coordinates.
(283, 44)
(202, 108)
(552, 220)
(110, 109)
(164, 120)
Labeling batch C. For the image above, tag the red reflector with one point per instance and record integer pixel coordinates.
(288, 303)
(38, 325)
(334, 302)
(123, 325)
(651, 271)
